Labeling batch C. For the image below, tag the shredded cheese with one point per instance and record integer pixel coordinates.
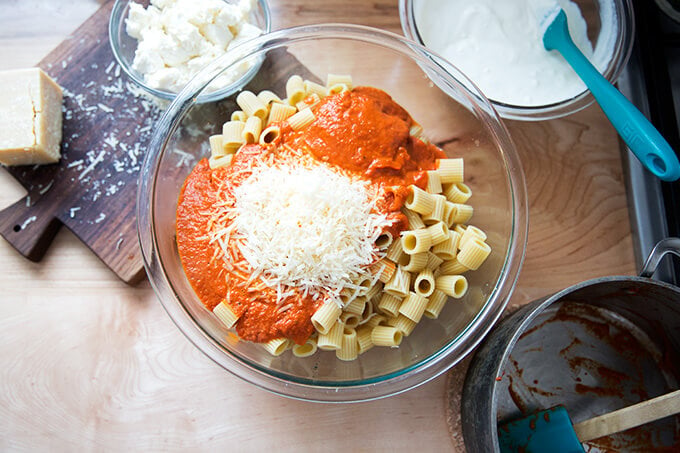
(309, 228)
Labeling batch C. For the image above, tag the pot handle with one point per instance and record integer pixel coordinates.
(664, 246)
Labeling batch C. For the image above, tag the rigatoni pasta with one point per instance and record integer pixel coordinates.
(416, 268)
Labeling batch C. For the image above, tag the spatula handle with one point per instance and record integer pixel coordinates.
(642, 138)
(629, 417)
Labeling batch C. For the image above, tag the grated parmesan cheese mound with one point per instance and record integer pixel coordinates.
(309, 228)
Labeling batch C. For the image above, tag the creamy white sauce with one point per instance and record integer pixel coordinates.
(498, 45)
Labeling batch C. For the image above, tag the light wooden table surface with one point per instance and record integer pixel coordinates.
(88, 363)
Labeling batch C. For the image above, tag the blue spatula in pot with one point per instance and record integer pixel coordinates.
(551, 430)
(640, 135)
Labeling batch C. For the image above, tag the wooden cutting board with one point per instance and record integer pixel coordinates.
(108, 124)
(92, 190)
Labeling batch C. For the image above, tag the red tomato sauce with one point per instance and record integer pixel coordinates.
(364, 133)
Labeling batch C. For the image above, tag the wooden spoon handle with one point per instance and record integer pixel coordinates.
(629, 417)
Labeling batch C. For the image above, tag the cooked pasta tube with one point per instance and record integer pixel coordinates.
(309, 102)
(368, 312)
(270, 134)
(376, 288)
(452, 285)
(232, 137)
(350, 320)
(457, 193)
(437, 214)
(416, 241)
(333, 79)
(419, 201)
(450, 213)
(355, 306)
(413, 306)
(460, 229)
(301, 119)
(349, 348)
(376, 320)
(417, 262)
(220, 161)
(326, 316)
(347, 295)
(389, 304)
(268, 97)
(386, 336)
(251, 105)
(295, 89)
(307, 349)
(462, 213)
(338, 88)
(435, 304)
(471, 232)
(447, 249)
(403, 325)
(453, 267)
(474, 253)
(416, 131)
(277, 346)
(313, 87)
(399, 284)
(364, 282)
(385, 268)
(225, 314)
(433, 261)
(364, 340)
(439, 232)
(384, 240)
(415, 221)
(251, 130)
(280, 112)
(332, 340)
(216, 148)
(434, 182)
(238, 115)
(450, 170)
(424, 283)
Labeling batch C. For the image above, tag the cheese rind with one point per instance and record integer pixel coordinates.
(30, 118)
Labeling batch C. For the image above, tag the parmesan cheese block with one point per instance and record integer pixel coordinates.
(30, 118)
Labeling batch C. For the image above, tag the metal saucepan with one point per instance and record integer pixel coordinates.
(594, 347)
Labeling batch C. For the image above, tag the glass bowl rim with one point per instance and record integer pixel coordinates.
(317, 390)
(621, 53)
(116, 19)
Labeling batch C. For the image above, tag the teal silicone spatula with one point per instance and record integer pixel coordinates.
(551, 430)
(639, 134)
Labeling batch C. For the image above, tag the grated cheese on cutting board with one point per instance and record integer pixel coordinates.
(309, 228)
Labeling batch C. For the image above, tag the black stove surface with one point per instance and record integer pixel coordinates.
(652, 81)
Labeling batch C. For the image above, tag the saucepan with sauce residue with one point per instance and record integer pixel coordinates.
(594, 347)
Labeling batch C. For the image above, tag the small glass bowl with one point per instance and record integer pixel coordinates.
(611, 52)
(124, 47)
(458, 119)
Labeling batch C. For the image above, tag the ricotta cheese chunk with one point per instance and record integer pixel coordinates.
(30, 118)
(177, 38)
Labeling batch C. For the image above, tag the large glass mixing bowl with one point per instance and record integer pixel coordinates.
(458, 119)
